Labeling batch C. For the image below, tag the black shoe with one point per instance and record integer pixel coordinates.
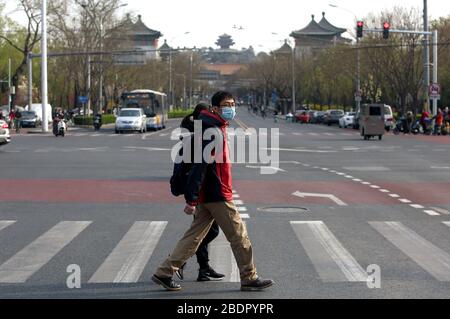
(257, 284)
(167, 283)
(179, 272)
(207, 273)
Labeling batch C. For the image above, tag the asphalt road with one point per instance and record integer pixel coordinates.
(337, 210)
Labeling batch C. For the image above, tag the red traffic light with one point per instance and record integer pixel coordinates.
(360, 24)
(386, 25)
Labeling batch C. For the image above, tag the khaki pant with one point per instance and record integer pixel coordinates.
(229, 220)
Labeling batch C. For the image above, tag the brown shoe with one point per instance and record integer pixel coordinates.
(257, 284)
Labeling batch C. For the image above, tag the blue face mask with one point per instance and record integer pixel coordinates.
(228, 113)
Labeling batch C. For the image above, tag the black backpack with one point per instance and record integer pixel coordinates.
(180, 175)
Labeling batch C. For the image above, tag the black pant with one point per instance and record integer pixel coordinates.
(202, 251)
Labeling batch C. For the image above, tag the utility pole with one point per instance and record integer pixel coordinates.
(358, 76)
(88, 88)
(30, 80)
(435, 67)
(293, 78)
(190, 88)
(100, 87)
(44, 66)
(426, 57)
(9, 85)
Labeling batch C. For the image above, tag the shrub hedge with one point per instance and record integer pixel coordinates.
(88, 120)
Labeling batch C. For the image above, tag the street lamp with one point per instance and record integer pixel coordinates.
(100, 90)
(358, 61)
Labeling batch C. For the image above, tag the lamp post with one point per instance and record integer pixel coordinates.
(358, 61)
(100, 27)
(44, 67)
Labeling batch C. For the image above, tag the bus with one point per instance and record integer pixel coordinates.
(153, 103)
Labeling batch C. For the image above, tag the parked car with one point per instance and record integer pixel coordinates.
(302, 117)
(29, 119)
(317, 118)
(332, 117)
(131, 119)
(388, 118)
(5, 138)
(347, 119)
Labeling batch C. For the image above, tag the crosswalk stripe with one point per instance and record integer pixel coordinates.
(221, 256)
(332, 261)
(6, 223)
(238, 202)
(431, 258)
(128, 259)
(447, 223)
(29, 260)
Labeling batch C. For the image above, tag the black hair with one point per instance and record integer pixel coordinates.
(198, 108)
(220, 96)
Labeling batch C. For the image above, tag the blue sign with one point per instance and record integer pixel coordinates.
(82, 99)
(274, 97)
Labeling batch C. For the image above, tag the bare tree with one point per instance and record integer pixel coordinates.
(31, 37)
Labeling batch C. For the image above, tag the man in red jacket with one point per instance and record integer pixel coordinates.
(209, 196)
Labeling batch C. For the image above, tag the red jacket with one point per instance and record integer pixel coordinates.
(209, 183)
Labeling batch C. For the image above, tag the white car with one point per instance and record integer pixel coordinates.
(5, 138)
(388, 118)
(131, 119)
(347, 120)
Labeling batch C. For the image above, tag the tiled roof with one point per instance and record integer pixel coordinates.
(314, 28)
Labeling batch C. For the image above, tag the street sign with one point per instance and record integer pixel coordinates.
(83, 99)
(435, 91)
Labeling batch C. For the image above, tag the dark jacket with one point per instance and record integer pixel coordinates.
(209, 183)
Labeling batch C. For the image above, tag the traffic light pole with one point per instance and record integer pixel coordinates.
(434, 35)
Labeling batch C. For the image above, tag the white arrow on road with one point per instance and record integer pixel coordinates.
(276, 169)
(330, 196)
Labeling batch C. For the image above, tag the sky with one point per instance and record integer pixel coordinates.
(265, 23)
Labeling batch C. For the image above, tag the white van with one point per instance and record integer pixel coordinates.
(37, 107)
(388, 118)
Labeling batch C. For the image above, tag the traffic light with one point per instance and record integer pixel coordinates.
(386, 27)
(359, 29)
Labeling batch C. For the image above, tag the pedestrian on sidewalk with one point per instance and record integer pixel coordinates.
(209, 197)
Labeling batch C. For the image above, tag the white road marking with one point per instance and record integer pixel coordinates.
(384, 191)
(365, 183)
(329, 196)
(30, 259)
(375, 186)
(417, 206)
(238, 202)
(367, 168)
(441, 210)
(331, 260)
(404, 200)
(6, 223)
(241, 208)
(431, 212)
(428, 256)
(357, 180)
(128, 259)
(440, 167)
(221, 256)
(236, 196)
(394, 195)
(245, 216)
(447, 223)
(147, 148)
